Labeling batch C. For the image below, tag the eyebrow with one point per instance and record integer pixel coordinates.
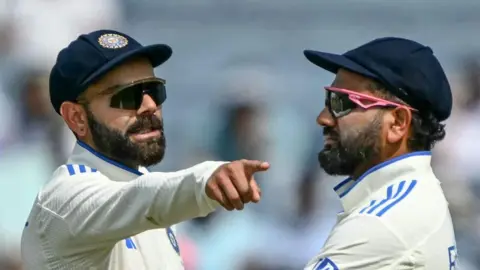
(336, 81)
(111, 89)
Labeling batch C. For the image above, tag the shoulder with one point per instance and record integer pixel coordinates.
(68, 179)
(68, 170)
(391, 198)
(74, 169)
(363, 231)
(361, 241)
(68, 174)
(412, 208)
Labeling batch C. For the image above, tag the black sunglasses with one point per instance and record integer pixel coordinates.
(341, 101)
(130, 96)
(339, 104)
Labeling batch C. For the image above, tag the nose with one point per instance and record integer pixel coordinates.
(325, 118)
(148, 105)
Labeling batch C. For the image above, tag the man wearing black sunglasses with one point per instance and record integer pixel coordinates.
(382, 117)
(104, 209)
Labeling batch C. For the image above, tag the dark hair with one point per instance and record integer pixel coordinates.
(426, 128)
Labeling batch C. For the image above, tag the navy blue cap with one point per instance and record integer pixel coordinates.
(407, 68)
(91, 56)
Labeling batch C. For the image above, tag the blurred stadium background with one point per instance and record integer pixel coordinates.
(239, 87)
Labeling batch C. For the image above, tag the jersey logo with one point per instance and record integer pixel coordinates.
(78, 169)
(395, 194)
(326, 264)
(452, 257)
(173, 240)
(130, 244)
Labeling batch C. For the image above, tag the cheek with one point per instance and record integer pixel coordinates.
(115, 119)
(356, 125)
(349, 124)
(347, 132)
(120, 122)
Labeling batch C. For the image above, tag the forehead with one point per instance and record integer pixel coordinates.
(132, 70)
(351, 81)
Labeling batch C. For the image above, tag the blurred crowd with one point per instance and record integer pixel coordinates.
(238, 87)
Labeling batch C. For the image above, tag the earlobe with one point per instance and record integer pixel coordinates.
(74, 118)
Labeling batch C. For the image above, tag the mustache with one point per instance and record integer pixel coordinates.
(146, 123)
(329, 131)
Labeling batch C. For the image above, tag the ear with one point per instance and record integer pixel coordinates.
(398, 124)
(75, 117)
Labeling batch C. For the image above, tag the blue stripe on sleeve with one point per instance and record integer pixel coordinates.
(382, 202)
(71, 170)
(366, 207)
(130, 244)
(399, 199)
(400, 188)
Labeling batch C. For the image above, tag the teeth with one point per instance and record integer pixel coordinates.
(146, 131)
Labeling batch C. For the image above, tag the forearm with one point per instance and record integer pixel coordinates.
(182, 196)
(96, 208)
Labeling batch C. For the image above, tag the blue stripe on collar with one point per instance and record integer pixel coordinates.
(106, 159)
(378, 167)
(341, 184)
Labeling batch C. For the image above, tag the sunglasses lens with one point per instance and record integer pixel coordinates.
(131, 97)
(157, 91)
(339, 103)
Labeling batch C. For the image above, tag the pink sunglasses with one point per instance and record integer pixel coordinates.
(341, 102)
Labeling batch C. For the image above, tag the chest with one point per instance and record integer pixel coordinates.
(154, 249)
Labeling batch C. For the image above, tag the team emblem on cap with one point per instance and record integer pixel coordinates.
(112, 41)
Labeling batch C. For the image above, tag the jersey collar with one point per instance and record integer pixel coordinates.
(352, 192)
(86, 155)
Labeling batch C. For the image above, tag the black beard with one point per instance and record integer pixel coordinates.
(119, 147)
(349, 152)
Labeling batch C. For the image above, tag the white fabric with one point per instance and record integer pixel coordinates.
(395, 217)
(97, 214)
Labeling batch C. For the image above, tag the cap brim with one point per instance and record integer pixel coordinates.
(157, 54)
(333, 62)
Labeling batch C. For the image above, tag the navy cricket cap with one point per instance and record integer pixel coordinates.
(408, 69)
(91, 56)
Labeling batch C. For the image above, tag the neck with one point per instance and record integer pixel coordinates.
(131, 165)
(362, 168)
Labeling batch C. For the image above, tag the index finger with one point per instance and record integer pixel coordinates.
(253, 166)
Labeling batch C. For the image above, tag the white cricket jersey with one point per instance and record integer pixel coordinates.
(98, 214)
(395, 217)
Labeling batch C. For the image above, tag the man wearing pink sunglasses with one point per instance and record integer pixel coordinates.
(382, 116)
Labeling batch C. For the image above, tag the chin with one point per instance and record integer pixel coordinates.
(332, 162)
(150, 152)
(152, 158)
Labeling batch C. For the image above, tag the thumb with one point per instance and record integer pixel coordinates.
(253, 166)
